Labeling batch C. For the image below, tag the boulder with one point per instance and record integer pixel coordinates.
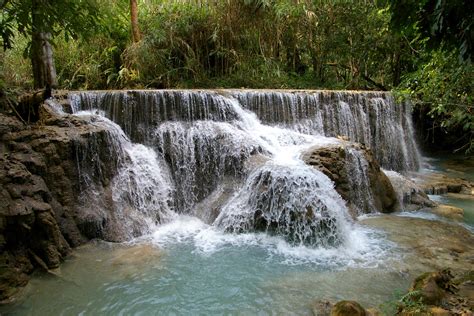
(357, 176)
(439, 293)
(431, 287)
(348, 308)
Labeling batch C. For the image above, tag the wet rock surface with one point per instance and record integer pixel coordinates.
(438, 183)
(41, 214)
(411, 196)
(439, 293)
(341, 308)
(352, 167)
(451, 212)
(428, 244)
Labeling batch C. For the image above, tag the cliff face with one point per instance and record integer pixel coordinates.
(42, 214)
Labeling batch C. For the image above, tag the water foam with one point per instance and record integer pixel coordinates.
(365, 247)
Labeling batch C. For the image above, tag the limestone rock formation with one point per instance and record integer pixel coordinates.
(341, 308)
(41, 215)
(411, 196)
(448, 211)
(346, 308)
(357, 176)
(437, 183)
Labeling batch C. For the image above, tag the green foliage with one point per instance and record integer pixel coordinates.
(72, 18)
(15, 69)
(271, 43)
(448, 24)
(445, 87)
(405, 303)
(441, 35)
(95, 62)
(238, 43)
(412, 303)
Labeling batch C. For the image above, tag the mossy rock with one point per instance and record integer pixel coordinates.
(432, 287)
(348, 308)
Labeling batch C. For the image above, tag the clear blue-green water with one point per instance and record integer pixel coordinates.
(189, 268)
(456, 166)
(466, 204)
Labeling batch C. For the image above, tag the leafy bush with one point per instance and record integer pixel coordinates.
(443, 87)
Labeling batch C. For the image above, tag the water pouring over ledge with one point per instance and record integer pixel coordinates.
(371, 118)
(210, 141)
(228, 164)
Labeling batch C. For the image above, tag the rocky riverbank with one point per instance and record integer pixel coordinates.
(435, 293)
(42, 215)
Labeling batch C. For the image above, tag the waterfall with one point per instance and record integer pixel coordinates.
(297, 202)
(200, 155)
(140, 112)
(360, 190)
(129, 179)
(241, 151)
(370, 118)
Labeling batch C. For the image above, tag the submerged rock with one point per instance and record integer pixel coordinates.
(448, 211)
(357, 176)
(321, 307)
(348, 308)
(428, 244)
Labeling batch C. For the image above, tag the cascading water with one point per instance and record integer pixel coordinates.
(295, 201)
(371, 118)
(219, 182)
(200, 155)
(360, 190)
(209, 138)
(140, 190)
(140, 112)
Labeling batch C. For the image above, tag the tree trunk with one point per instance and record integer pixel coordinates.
(41, 54)
(396, 69)
(44, 72)
(134, 19)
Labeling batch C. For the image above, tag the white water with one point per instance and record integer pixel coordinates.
(371, 118)
(363, 248)
(141, 190)
(285, 196)
(279, 195)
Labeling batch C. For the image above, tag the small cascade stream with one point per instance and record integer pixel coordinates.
(139, 195)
